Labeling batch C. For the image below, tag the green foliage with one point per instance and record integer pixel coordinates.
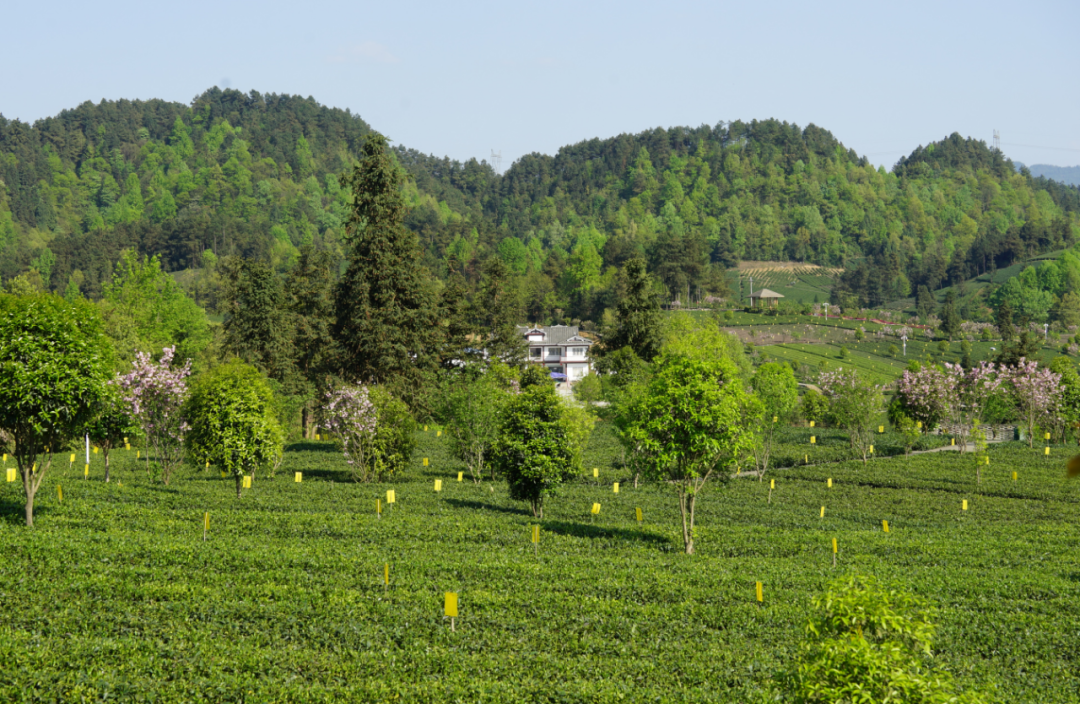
(233, 425)
(777, 391)
(690, 423)
(472, 404)
(639, 325)
(54, 362)
(534, 451)
(145, 311)
(395, 436)
(813, 406)
(588, 390)
(384, 306)
(257, 325)
(870, 643)
(112, 424)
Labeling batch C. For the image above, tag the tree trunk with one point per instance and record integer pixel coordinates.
(106, 451)
(239, 484)
(687, 520)
(30, 504)
(304, 422)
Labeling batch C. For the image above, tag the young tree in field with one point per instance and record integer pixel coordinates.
(384, 304)
(777, 391)
(113, 422)
(1038, 394)
(233, 424)
(373, 428)
(691, 423)
(854, 405)
(473, 406)
(54, 363)
(157, 392)
(533, 451)
(869, 643)
(1068, 413)
(588, 390)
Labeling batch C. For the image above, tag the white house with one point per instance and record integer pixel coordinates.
(560, 348)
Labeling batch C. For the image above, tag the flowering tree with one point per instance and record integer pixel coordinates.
(157, 392)
(951, 394)
(1038, 392)
(854, 405)
(350, 415)
(373, 429)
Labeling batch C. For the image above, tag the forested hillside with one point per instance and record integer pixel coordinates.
(257, 175)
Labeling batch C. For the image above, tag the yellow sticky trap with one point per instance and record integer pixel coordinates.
(885, 526)
(774, 419)
(425, 462)
(386, 573)
(988, 459)
(425, 428)
(963, 506)
(125, 441)
(1047, 451)
(460, 476)
(918, 424)
(637, 513)
(772, 483)
(596, 509)
(758, 593)
(596, 472)
(127, 446)
(823, 512)
(208, 464)
(11, 474)
(247, 482)
(881, 429)
(318, 437)
(1014, 476)
(450, 606)
(378, 505)
(811, 424)
(86, 470)
(438, 433)
(813, 440)
(954, 442)
(1046, 436)
(828, 482)
(834, 548)
(299, 477)
(391, 497)
(95, 450)
(806, 459)
(615, 487)
(5, 457)
(871, 449)
(536, 534)
(60, 493)
(206, 521)
(224, 474)
(138, 453)
(71, 460)
(438, 485)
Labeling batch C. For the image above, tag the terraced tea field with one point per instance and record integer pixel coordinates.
(801, 283)
(114, 595)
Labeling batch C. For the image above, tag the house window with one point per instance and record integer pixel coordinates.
(535, 352)
(577, 351)
(554, 351)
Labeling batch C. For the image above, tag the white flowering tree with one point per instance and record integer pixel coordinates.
(350, 415)
(157, 392)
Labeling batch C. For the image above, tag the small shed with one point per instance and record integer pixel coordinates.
(764, 298)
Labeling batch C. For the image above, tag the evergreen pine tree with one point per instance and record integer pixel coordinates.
(638, 313)
(385, 325)
(498, 311)
(257, 326)
(309, 298)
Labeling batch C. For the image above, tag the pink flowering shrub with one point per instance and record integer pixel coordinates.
(952, 394)
(1038, 393)
(156, 392)
(373, 429)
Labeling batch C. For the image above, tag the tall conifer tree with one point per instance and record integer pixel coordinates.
(385, 325)
(639, 313)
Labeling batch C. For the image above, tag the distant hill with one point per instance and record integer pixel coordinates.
(256, 175)
(1062, 174)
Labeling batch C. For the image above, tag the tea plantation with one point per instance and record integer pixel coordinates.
(115, 596)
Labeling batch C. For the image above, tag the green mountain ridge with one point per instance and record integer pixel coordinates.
(256, 175)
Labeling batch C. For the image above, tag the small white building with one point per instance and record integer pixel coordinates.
(560, 348)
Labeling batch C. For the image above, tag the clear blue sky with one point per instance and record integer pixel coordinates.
(462, 79)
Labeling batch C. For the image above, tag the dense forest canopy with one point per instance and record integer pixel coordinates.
(258, 176)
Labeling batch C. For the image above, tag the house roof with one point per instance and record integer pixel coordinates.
(556, 334)
(766, 293)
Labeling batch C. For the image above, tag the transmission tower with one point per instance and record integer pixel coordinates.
(997, 140)
(496, 160)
